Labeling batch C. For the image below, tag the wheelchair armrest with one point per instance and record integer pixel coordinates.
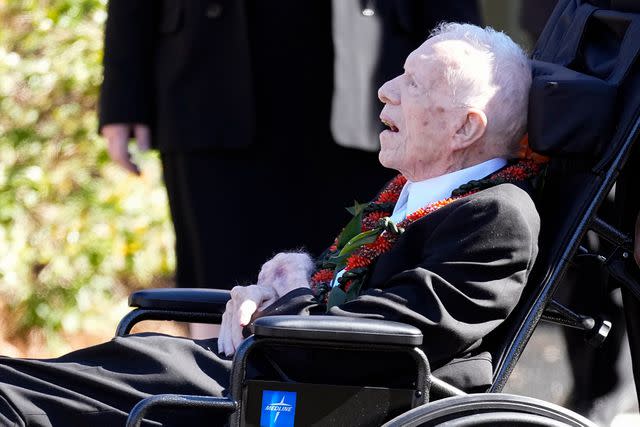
(181, 299)
(338, 328)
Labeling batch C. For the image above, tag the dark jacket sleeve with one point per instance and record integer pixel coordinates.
(471, 271)
(126, 95)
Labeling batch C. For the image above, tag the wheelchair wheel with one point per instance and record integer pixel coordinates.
(490, 409)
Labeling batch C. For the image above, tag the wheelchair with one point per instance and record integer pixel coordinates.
(584, 113)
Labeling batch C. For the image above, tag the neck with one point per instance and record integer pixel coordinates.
(453, 164)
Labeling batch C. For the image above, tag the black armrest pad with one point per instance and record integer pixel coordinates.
(181, 299)
(338, 328)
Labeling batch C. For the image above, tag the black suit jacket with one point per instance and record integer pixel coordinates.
(456, 274)
(225, 73)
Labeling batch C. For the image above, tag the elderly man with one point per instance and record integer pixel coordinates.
(446, 246)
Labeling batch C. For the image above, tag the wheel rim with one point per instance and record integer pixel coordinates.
(460, 407)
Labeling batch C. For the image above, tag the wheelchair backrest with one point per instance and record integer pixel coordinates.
(584, 113)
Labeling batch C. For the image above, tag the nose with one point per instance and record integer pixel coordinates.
(389, 93)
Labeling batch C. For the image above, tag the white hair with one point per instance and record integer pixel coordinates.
(494, 76)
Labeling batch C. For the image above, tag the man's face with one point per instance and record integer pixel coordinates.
(420, 115)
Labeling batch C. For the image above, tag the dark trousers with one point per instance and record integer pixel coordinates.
(99, 385)
(233, 210)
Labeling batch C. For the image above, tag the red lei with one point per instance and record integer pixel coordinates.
(371, 233)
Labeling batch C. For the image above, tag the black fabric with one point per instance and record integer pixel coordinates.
(239, 108)
(238, 96)
(99, 385)
(233, 210)
(556, 90)
(455, 275)
(626, 5)
(212, 74)
(572, 189)
(471, 373)
(598, 50)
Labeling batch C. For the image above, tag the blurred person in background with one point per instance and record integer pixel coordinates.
(238, 98)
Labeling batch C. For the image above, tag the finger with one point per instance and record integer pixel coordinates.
(118, 148)
(258, 294)
(261, 295)
(245, 300)
(237, 293)
(143, 136)
(236, 337)
(269, 296)
(225, 327)
(247, 308)
(221, 336)
(227, 340)
(228, 346)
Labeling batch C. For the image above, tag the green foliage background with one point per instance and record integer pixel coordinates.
(76, 232)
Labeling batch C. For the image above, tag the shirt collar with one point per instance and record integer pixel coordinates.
(416, 195)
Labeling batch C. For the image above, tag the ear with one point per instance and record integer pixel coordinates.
(471, 129)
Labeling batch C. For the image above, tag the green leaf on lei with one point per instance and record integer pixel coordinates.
(338, 261)
(336, 297)
(354, 226)
(357, 208)
(354, 290)
(359, 240)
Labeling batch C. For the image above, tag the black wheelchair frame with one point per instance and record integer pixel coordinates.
(566, 220)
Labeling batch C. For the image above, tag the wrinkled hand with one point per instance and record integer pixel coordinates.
(286, 271)
(278, 276)
(117, 136)
(245, 300)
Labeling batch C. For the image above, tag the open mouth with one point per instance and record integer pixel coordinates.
(389, 125)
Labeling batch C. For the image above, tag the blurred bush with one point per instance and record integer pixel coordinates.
(76, 232)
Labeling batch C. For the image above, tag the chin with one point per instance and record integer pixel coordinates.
(384, 160)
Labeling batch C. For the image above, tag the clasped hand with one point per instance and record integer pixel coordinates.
(280, 275)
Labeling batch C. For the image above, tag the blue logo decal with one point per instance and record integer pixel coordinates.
(278, 408)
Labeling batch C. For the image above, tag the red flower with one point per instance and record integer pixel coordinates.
(388, 197)
(381, 244)
(398, 181)
(334, 245)
(367, 252)
(371, 219)
(364, 255)
(321, 276)
(356, 261)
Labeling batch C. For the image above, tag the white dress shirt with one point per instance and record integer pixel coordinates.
(416, 195)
